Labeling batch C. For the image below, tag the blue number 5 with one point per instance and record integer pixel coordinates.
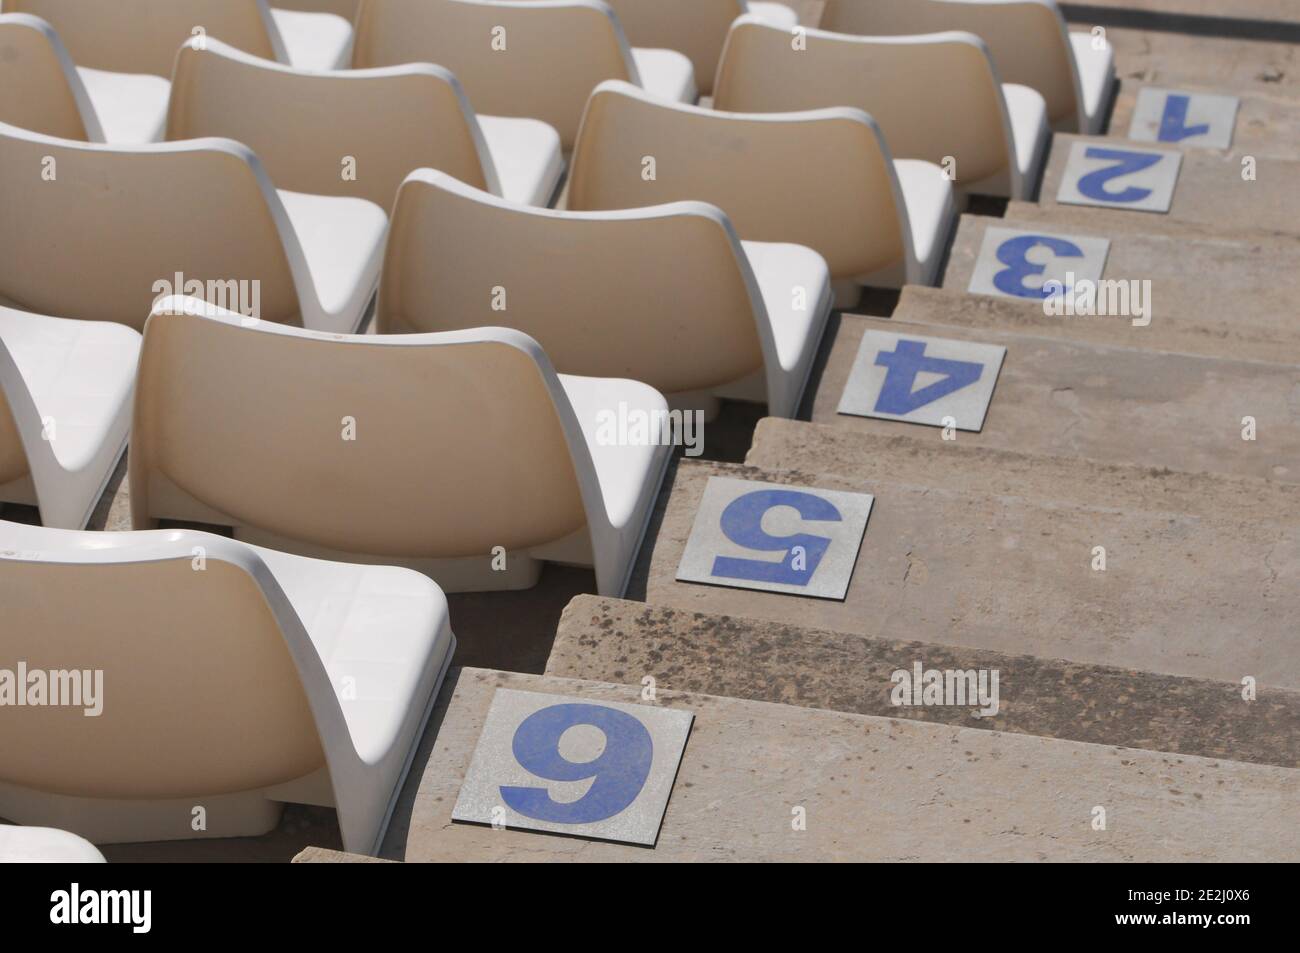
(620, 772)
(742, 523)
(1093, 184)
(1013, 253)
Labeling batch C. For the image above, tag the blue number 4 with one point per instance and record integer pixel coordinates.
(1093, 184)
(619, 773)
(905, 362)
(742, 523)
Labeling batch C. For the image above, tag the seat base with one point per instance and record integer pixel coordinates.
(114, 821)
(468, 574)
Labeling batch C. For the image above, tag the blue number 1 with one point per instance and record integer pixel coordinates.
(620, 772)
(1173, 123)
(742, 523)
(1093, 184)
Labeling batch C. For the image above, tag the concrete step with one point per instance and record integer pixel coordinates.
(612, 640)
(1263, 61)
(1268, 119)
(1218, 296)
(1276, 11)
(1190, 596)
(1210, 191)
(869, 788)
(1087, 397)
(925, 459)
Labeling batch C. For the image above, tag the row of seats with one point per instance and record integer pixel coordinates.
(148, 153)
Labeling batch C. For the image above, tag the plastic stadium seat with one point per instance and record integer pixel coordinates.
(65, 409)
(236, 679)
(628, 289)
(1028, 39)
(466, 445)
(142, 36)
(822, 179)
(347, 9)
(697, 28)
(935, 96)
(110, 233)
(306, 127)
(535, 58)
(41, 89)
(44, 845)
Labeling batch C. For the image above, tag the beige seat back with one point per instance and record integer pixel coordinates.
(614, 295)
(99, 232)
(822, 179)
(934, 96)
(39, 86)
(348, 133)
(535, 58)
(458, 446)
(697, 28)
(1027, 38)
(142, 36)
(194, 666)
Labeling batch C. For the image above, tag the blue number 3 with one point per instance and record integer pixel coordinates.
(742, 523)
(620, 772)
(1014, 254)
(1093, 184)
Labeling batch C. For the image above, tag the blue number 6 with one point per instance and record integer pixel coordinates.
(1093, 184)
(620, 772)
(742, 523)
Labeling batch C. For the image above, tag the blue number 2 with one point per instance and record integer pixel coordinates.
(620, 772)
(1013, 253)
(742, 523)
(1093, 184)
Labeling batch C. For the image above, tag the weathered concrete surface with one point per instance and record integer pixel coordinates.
(1283, 11)
(1268, 119)
(1181, 595)
(611, 640)
(1230, 297)
(319, 855)
(1210, 192)
(1142, 54)
(925, 459)
(872, 789)
(1083, 399)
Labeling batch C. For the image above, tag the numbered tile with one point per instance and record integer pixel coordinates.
(1019, 264)
(1196, 119)
(775, 538)
(1107, 177)
(603, 770)
(919, 380)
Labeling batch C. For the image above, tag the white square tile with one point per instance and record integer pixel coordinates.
(775, 538)
(1015, 263)
(921, 380)
(595, 769)
(1193, 119)
(1110, 176)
